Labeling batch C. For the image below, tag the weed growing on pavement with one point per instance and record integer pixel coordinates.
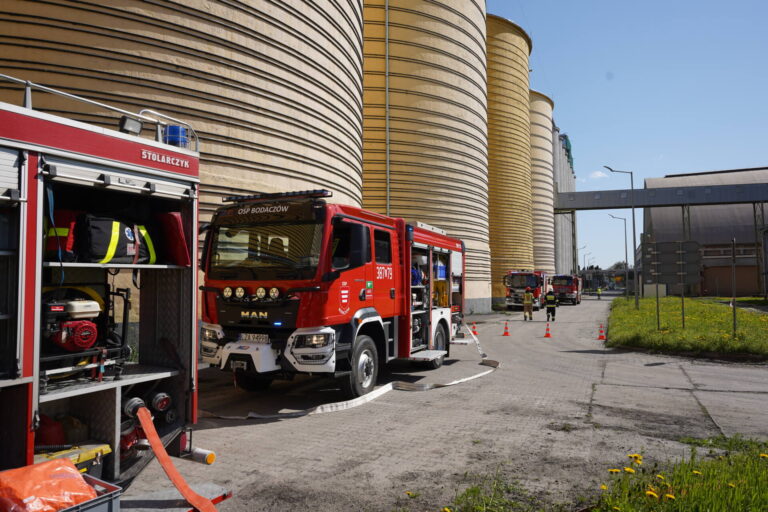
(733, 477)
(708, 327)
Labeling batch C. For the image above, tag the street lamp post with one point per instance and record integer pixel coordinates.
(634, 234)
(626, 258)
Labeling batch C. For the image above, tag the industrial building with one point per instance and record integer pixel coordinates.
(566, 257)
(418, 109)
(714, 227)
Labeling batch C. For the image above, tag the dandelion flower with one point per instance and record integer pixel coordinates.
(695, 472)
(652, 494)
(616, 508)
(614, 471)
(660, 477)
(408, 493)
(603, 487)
(764, 455)
(669, 496)
(629, 470)
(445, 509)
(731, 484)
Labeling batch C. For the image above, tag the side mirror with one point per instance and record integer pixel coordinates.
(203, 227)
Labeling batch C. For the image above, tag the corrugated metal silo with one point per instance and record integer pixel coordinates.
(542, 180)
(273, 89)
(425, 122)
(565, 223)
(509, 151)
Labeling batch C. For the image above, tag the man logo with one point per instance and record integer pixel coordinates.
(259, 315)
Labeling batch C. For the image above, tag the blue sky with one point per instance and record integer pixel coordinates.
(656, 87)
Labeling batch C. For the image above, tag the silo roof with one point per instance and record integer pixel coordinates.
(517, 27)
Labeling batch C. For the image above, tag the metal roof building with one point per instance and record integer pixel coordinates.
(713, 227)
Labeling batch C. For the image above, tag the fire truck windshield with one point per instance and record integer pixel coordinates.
(562, 280)
(521, 280)
(269, 251)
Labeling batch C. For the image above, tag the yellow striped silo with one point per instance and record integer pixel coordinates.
(509, 151)
(542, 178)
(274, 89)
(425, 122)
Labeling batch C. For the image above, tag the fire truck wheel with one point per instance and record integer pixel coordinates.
(365, 368)
(440, 344)
(251, 382)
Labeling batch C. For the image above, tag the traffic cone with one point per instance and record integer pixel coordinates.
(506, 329)
(546, 334)
(602, 334)
(474, 329)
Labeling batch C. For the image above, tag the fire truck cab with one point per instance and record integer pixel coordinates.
(294, 284)
(516, 281)
(567, 288)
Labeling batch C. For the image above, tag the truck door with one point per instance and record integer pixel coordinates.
(351, 264)
(384, 282)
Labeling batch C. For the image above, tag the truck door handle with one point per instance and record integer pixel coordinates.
(362, 294)
(391, 293)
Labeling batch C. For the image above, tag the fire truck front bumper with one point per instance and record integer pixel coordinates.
(515, 300)
(312, 350)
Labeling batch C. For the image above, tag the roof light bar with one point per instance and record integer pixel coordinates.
(279, 195)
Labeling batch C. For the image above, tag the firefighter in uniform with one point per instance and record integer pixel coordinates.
(528, 304)
(599, 292)
(552, 304)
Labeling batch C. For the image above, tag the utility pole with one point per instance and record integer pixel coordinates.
(634, 234)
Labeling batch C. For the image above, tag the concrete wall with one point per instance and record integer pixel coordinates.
(509, 151)
(425, 122)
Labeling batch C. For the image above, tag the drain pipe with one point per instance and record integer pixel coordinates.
(386, 100)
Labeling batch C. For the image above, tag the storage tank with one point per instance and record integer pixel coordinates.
(542, 182)
(566, 259)
(425, 122)
(509, 151)
(273, 90)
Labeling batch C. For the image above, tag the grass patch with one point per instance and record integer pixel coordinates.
(708, 327)
(730, 481)
(491, 493)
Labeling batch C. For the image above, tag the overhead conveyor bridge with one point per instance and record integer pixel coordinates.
(657, 197)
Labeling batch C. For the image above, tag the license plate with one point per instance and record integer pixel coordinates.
(239, 365)
(253, 337)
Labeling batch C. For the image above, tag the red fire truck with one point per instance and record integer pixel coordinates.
(567, 288)
(84, 212)
(294, 284)
(516, 281)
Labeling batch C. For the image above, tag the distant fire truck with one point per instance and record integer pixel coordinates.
(567, 288)
(516, 281)
(294, 284)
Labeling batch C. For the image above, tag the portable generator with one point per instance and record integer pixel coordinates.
(69, 323)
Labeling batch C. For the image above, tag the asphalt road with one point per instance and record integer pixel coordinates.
(556, 414)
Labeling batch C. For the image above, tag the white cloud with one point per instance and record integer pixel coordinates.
(581, 180)
(596, 175)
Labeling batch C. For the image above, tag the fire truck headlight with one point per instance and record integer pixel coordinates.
(261, 292)
(274, 293)
(313, 340)
(226, 292)
(211, 332)
(239, 292)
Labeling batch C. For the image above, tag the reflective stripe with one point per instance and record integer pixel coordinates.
(112, 242)
(58, 232)
(148, 241)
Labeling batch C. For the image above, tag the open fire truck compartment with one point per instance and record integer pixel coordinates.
(295, 284)
(98, 269)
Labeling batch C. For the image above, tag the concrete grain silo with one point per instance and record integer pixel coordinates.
(566, 259)
(509, 151)
(273, 89)
(542, 182)
(425, 122)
